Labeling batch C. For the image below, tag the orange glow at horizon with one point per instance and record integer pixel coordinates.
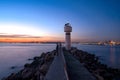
(15, 32)
(42, 39)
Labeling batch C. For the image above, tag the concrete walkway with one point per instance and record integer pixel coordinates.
(66, 67)
(57, 68)
(76, 71)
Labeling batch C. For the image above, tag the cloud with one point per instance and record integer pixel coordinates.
(4, 35)
(22, 29)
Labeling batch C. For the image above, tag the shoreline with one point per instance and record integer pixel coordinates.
(40, 65)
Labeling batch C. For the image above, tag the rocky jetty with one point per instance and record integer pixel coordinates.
(92, 63)
(39, 67)
(36, 70)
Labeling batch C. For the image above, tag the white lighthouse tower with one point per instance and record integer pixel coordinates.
(67, 30)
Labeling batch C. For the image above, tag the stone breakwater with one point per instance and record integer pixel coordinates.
(36, 70)
(39, 67)
(94, 66)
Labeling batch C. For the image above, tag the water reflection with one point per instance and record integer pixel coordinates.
(112, 55)
(16, 54)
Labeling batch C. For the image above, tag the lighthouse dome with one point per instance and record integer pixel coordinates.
(67, 28)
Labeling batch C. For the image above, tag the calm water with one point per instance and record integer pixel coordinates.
(16, 54)
(109, 55)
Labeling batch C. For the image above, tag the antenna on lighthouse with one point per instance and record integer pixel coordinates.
(67, 30)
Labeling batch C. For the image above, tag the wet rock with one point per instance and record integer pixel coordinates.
(48, 57)
(13, 67)
(29, 59)
(42, 77)
(42, 55)
(99, 77)
(44, 69)
(26, 74)
(27, 65)
(108, 76)
(12, 76)
(36, 58)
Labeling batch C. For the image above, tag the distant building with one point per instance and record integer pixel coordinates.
(112, 42)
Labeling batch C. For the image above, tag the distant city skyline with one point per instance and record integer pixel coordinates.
(43, 20)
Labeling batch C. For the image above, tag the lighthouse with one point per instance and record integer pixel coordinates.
(67, 30)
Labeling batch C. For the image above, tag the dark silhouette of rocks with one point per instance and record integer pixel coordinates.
(13, 67)
(92, 63)
(39, 67)
(29, 59)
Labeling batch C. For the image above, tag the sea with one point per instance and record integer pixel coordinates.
(17, 54)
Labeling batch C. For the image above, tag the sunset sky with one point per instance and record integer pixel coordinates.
(43, 20)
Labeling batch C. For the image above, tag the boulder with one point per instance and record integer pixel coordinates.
(44, 69)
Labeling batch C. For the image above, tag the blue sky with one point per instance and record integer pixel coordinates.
(92, 20)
